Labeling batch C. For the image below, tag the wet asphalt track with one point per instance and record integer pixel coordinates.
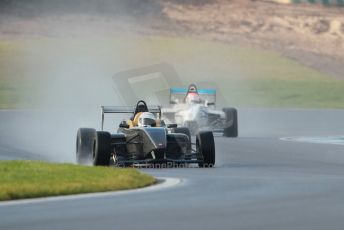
(259, 182)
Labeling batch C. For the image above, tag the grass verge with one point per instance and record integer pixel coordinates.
(29, 179)
(32, 70)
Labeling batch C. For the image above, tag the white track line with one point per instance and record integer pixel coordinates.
(333, 140)
(166, 182)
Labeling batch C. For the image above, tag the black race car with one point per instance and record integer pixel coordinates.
(144, 139)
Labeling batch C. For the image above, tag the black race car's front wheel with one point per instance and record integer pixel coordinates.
(84, 145)
(205, 147)
(102, 149)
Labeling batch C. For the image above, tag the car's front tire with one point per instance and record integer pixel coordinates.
(84, 145)
(205, 147)
(102, 149)
(231, 123)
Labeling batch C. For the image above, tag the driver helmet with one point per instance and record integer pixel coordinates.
(193, 98)
(146, 119)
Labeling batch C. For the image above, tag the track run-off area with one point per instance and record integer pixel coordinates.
(259, 182)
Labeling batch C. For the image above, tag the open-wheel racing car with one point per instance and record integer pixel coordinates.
(196, 110)
(144, 139)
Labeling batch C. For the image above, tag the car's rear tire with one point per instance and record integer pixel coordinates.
(205, 147)
(102, 149)
(231, 123)
(84, 145)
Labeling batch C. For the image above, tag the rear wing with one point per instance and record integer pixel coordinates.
(177, 95)
(127, 109)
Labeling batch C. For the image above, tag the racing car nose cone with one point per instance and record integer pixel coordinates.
(157, 136)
